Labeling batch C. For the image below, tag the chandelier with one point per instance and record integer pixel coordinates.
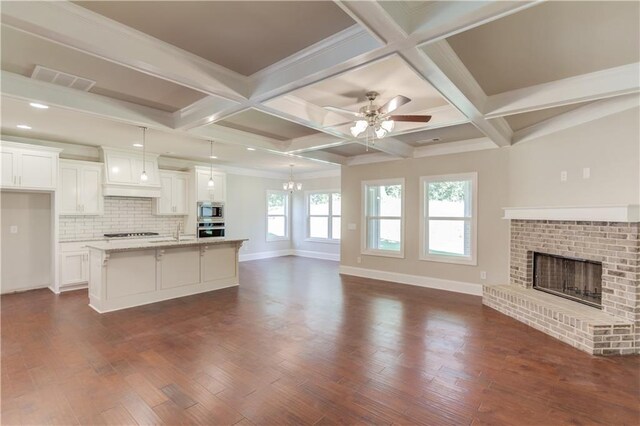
(291, 185)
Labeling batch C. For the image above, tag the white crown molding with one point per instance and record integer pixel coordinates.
(416, 280)
(578, 116)
(587, 87)
(337, 172)
(456, 147)
(604, 213)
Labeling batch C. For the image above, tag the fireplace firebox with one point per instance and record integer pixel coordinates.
(575, 279)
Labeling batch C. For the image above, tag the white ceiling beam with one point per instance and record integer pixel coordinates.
(237, 137)
(375, 157)
(388, 145)
(602, 84)
(74, 26)
(437, 63)
(28, 89)
(313, 143)
(456, 147)
(578, 116)
(322, 156)
(205, 111)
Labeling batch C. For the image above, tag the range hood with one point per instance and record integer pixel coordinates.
(122, 170)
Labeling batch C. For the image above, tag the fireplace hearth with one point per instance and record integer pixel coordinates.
(575, 279)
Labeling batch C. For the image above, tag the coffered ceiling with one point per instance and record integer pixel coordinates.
(258, 74)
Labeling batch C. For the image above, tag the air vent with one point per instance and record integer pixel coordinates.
(62, 78)
(429, 140)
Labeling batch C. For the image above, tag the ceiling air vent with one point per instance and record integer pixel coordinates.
(62, 78)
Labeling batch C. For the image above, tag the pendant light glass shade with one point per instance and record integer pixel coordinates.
(388, 125)
(143, 176)
(211, 183)
(380, 132)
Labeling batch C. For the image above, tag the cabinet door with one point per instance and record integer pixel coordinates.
(120, 169)
(219, 187)
(37, 170)
(165, 202)
(91, 192)
(9, 173)
(180, 188)
(74, 268)
(69, 190)
(205, 193)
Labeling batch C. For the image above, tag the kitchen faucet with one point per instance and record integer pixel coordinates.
(179, 227)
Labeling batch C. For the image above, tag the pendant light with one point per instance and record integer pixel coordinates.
(143, 176)
(291, 185)
(211, 183)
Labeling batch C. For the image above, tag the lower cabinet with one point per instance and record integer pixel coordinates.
(74, 266)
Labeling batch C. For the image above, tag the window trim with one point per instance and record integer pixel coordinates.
(364, 223)
(307, 197)
(443, 258)
(287, 216)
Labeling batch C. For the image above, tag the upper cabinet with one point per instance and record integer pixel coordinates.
(122, 173)
(28, 167)
(80, 188)
(173, 193)
(206, 193)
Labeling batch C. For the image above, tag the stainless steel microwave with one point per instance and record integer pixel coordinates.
(210, 211)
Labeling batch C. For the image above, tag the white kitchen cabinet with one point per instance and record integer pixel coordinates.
(204, 191)
(28, 167)
(74, 265)
(80, 188)
(173, 193)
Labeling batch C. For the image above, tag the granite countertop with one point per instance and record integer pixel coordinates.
(103, 238)
(112, 246)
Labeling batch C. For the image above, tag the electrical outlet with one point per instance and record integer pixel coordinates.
(359, 259)
(586, 173)
(13, 229)
(483, 275)
(563, 176)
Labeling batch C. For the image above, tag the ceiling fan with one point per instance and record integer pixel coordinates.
(379, 118)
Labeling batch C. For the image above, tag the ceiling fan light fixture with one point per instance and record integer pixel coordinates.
(359, 127)
(388, 125)
(380, 132)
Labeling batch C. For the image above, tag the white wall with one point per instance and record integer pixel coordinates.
(610, 147)
(246, 211)
(300, 217)
(25, 256)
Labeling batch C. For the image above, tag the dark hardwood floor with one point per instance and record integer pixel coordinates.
(298, 344)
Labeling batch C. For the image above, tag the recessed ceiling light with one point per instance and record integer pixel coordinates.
(39, 105)
(137, 145)
(213, 157)
(23, 126)
(251, 149)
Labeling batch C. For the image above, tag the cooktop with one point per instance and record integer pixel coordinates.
(131, 234)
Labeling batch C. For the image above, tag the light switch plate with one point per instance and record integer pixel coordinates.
(563, 176)
(586, 173)
(13, 229)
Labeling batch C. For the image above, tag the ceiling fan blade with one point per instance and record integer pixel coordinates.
(393, 104)
(413, 118)
(342, 111)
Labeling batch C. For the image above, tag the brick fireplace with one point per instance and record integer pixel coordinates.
(612, 330)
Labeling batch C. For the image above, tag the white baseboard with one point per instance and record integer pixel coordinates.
(264, 255)
(317, 255)
(417, 280)
(289, 252)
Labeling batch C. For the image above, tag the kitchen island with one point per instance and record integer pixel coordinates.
(124, 274)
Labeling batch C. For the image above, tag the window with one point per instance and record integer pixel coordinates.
(277, 215)
(448, 225)
(323, 216)
(383, 225)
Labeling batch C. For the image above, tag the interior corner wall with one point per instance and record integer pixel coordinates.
(246, 213)
(25, 255)
(299, 216)
(609, 147)
(493, 252)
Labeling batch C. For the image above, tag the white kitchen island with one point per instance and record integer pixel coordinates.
(126, 274)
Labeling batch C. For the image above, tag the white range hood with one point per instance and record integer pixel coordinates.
(122, 174)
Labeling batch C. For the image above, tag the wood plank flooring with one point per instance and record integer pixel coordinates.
(298, 344)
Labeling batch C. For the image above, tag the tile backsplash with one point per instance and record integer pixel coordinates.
(121, 214)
